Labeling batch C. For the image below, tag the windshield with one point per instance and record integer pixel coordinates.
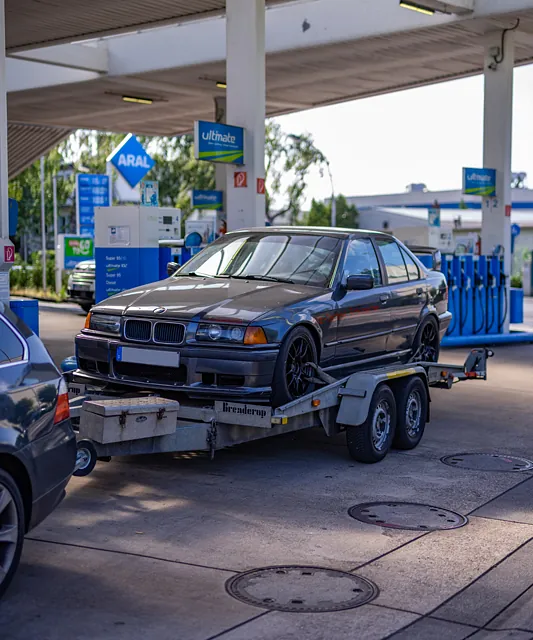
(298, 258)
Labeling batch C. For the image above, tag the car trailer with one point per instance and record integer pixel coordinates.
(379, 408)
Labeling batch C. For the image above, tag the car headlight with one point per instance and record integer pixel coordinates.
(237, 335)
(103, 323)
(220, 333)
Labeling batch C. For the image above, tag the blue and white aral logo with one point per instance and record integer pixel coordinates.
(479, 182)
(131, 160)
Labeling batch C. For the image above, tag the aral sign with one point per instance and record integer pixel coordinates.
(218, 142)
(479, 182)
(131, 160)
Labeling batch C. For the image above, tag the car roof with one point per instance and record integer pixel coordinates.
(336, 232)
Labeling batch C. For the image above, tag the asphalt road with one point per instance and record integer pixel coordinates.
(58, 326)
(143, 548)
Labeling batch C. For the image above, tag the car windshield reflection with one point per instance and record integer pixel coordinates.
(293, 259)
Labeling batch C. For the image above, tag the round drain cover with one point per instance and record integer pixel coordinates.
(488, 462)
(301, 589)
(407, 515)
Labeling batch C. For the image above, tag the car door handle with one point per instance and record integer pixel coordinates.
(384, 297)
(420, 291)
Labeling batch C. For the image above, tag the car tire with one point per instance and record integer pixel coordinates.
(288, 382)
(412, 410)
(426, 345)
(366, 442)
(12, 519)
(88, 458)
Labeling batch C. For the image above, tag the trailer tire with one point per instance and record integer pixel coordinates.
(371, 441)
(86, 449)
(412, 408)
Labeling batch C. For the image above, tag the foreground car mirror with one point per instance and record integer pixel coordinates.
(359, 283)
(172, 267)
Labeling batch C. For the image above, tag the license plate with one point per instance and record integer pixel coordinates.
(75, 390)
(81, 287)
(148, 356)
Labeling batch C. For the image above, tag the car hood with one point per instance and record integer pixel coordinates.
(223, 300)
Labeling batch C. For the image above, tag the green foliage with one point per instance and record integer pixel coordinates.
(288, 164)
(319, 215)
(516, 281)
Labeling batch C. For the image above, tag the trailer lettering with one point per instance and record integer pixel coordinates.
(244, 409)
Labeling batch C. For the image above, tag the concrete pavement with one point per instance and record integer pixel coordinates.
(143, 547)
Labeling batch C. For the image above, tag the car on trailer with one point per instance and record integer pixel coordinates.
(37, 443)
(254, 312)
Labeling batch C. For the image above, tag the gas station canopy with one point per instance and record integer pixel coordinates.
(31, 24)
(318, 53)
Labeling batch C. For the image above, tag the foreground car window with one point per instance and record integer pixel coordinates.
(11, 348)
(297, 258)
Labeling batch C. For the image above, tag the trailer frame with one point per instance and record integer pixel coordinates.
(335, 405)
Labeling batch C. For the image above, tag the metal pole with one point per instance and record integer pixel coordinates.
(57, 271)
(4, 200)
(43, 226)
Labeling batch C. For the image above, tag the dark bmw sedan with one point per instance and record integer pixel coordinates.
(251, 313)
(37, 444)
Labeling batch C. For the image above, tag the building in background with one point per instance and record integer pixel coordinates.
(406, 216)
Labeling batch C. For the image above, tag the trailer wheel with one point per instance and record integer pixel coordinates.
(371, 441)
(86, 458)
(412, 406)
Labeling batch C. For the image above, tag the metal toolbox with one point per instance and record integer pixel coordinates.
(106, 421)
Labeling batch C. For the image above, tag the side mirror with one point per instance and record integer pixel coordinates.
(359, 283)
(172, 267)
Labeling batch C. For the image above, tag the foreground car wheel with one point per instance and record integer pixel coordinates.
(11, 529)
(371, 441)
(292, 367)
(426, 346)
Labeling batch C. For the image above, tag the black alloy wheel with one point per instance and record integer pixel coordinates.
(292, 371)
(297, 368)
(426, 346)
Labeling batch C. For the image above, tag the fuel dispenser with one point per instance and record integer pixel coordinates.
(127, 246)
(479, 295)
(466, 269)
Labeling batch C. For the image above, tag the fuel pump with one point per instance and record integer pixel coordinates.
(479, 295)
(448, 268)
(466, 269)
(492, 295)
(503, 296)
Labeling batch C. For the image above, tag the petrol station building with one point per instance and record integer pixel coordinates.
(157, 67)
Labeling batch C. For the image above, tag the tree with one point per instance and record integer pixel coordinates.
(319, 215)
(289, 162)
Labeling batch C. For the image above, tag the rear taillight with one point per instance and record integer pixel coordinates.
(62, 407)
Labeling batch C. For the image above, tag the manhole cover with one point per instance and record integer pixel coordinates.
(488, 462)
(407, 515)
(301, 589)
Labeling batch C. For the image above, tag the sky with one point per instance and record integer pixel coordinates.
(382, 144)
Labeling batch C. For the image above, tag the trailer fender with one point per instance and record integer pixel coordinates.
(356, 397)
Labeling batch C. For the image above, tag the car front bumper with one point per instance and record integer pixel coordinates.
(203, 371)
(50, 461)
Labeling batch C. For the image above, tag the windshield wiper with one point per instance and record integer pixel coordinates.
(270, 278)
